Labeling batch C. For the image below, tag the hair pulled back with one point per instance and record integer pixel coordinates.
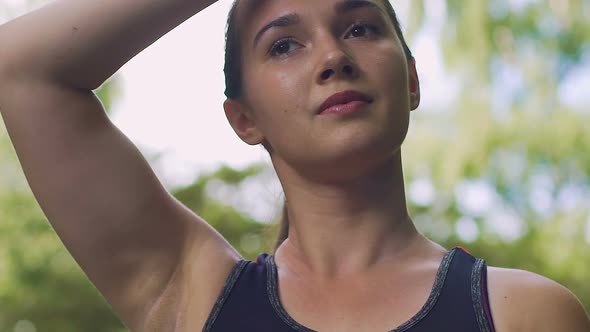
(234, 79)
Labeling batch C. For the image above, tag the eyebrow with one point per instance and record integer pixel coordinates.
(293, 19)
(281, 22)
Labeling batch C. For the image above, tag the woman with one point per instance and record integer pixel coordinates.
(327, 87)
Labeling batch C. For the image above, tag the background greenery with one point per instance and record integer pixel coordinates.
(502, 169)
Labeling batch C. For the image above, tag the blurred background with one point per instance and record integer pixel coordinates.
(497, 158)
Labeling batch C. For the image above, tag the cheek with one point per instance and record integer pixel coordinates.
(391, 70)
(283, 87)
(279, 96)
(289, 83)
(389, 75)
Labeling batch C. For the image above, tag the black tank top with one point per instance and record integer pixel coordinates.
(458, 301)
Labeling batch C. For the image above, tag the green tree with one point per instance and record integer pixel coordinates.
(504, 170)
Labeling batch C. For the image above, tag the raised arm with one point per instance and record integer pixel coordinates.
(140, 247)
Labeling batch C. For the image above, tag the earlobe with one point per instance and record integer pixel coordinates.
(240, 118)
(414, 83)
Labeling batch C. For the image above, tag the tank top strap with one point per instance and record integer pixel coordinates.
(480, 296)
(463, 301)
(244, 304)
(458, 301)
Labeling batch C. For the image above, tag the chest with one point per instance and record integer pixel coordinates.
(267, 299)
(367, 305)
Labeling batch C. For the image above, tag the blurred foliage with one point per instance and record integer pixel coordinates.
(505, 169)
(509, 180)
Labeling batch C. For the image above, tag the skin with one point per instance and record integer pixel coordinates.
(159, 265)
(342, 169)
(342, 176)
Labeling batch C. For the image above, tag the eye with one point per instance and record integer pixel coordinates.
(283, 47)
(362, 30)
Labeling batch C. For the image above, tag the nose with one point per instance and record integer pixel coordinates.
(336, 64)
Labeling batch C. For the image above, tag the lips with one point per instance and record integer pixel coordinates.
(343, 98)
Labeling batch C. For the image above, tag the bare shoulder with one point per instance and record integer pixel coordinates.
(186, 303)
(525, 301)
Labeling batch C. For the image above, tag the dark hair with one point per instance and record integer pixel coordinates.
(233, 79)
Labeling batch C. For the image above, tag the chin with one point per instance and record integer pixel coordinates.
(372, 145)
(355, 159)
(351, 152)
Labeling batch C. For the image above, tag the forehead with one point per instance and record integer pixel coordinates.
(253, 5)
(248, 11)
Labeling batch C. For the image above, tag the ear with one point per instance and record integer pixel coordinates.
(414, 84)
(240, 118)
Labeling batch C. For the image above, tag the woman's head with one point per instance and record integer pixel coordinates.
(233, 64)
(285, 58)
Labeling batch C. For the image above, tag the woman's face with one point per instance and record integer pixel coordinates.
(296, 54)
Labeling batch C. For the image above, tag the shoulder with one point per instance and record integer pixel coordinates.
(525, 301)
(194, 289)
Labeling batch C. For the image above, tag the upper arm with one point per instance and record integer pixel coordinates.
(524, 301)
(130, 236)
(558, 310)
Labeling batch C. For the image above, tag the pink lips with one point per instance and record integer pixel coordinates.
(344, 102)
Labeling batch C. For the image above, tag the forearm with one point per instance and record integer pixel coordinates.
(81, 43)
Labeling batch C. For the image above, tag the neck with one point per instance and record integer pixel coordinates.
(339, 228)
